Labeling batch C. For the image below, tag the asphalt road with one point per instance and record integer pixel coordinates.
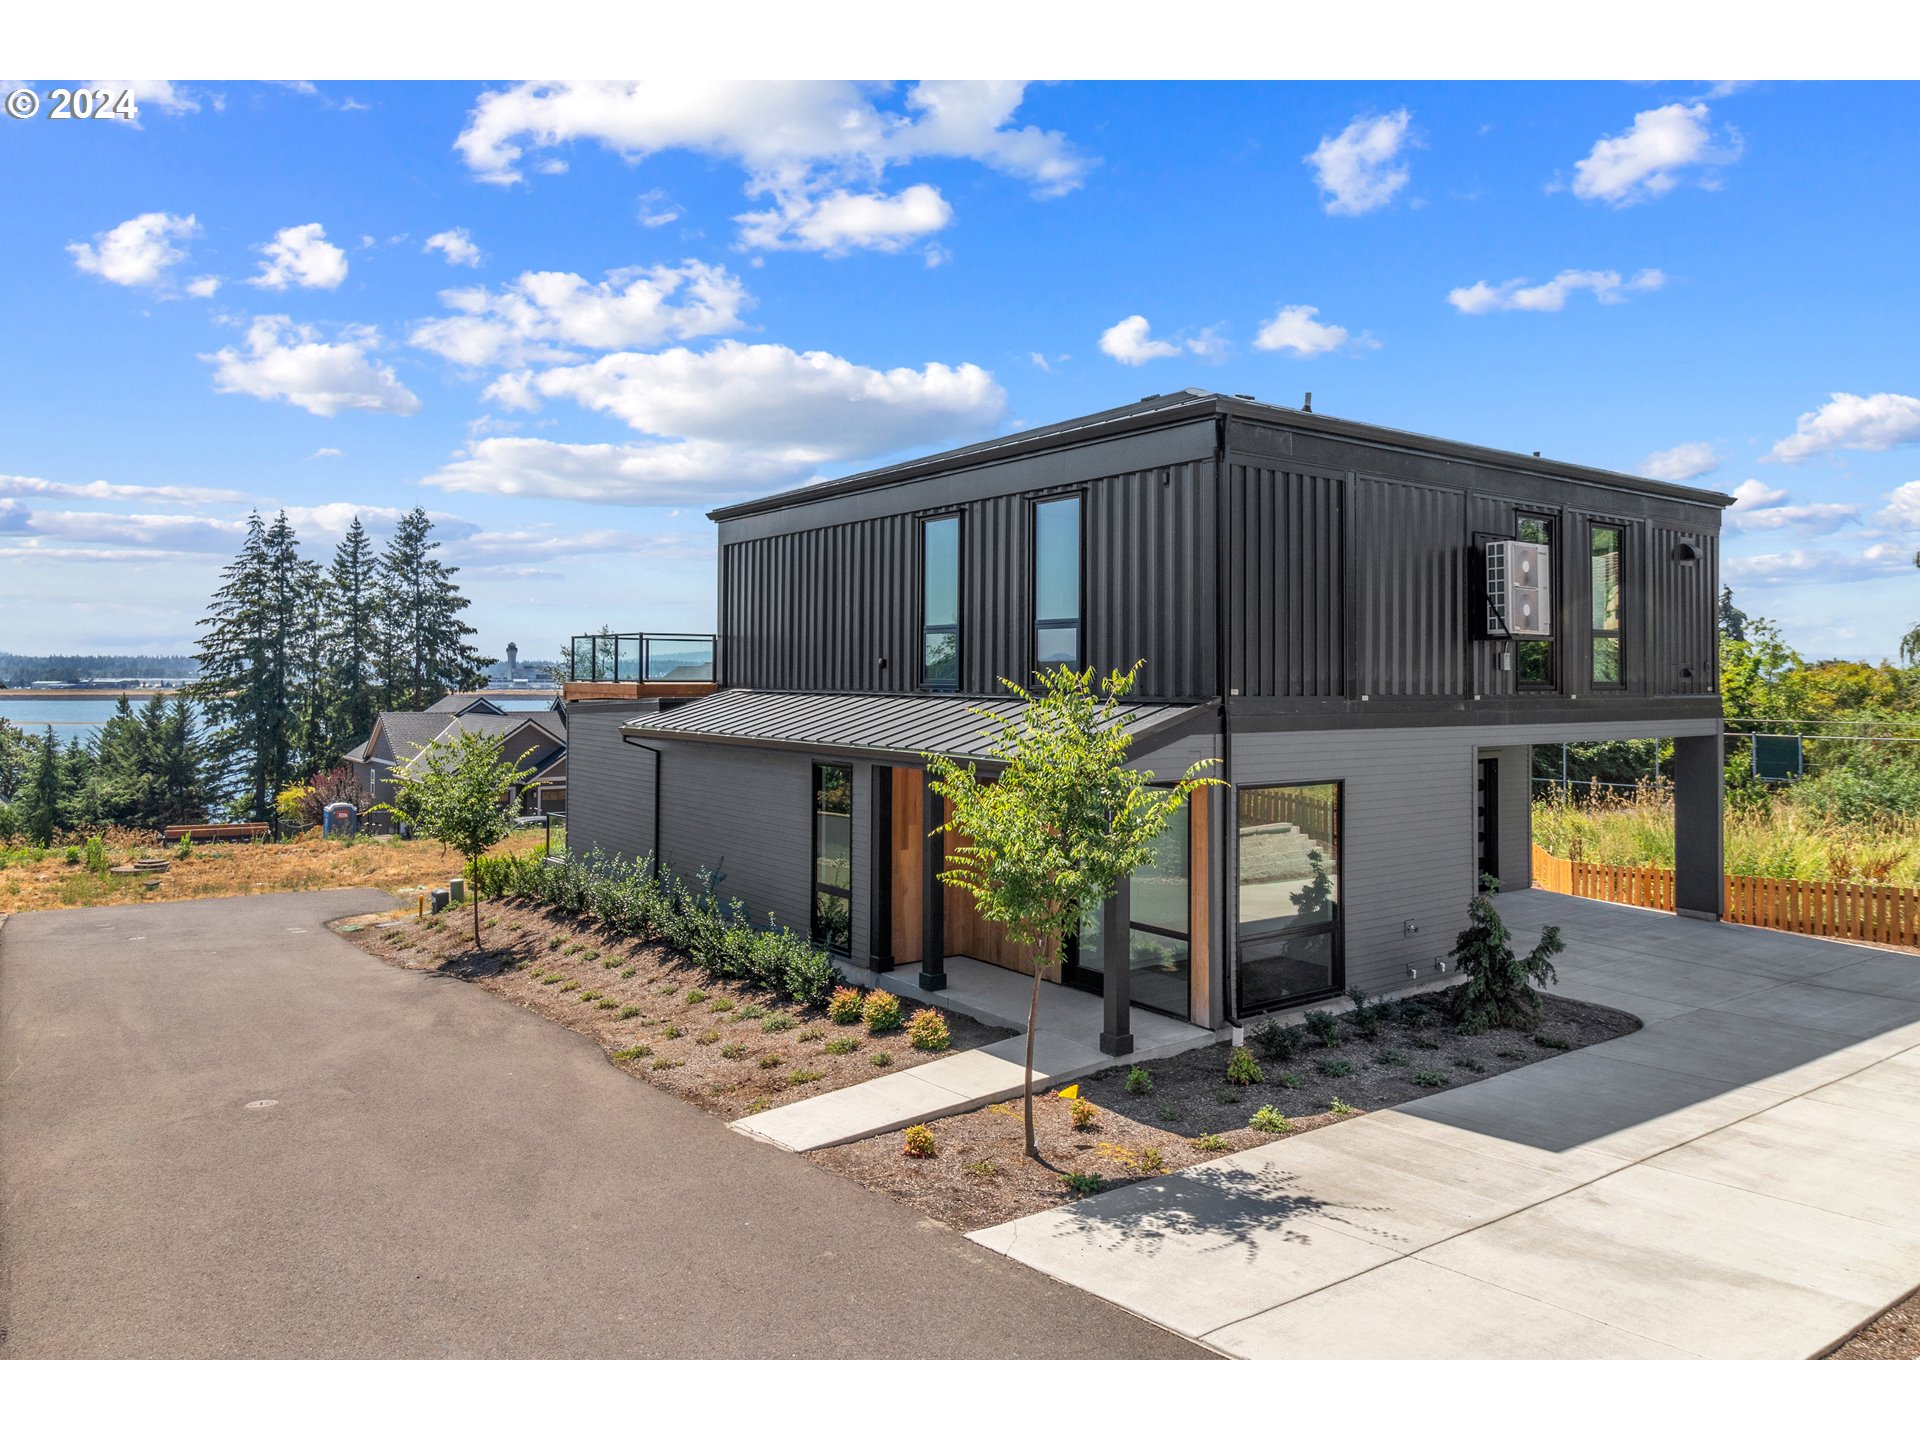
(439, 1174)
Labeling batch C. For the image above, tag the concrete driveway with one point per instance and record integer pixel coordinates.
(225, 1131)
(1737, 1179)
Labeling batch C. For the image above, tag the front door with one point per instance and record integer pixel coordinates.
(1486, 821)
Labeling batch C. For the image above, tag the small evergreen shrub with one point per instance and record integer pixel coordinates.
(1431, 1079)
(1499, 988)
(843, 1007)
(1274, 1040)
(1365, 1017)
(1269, 1121)
(881, 1059)
(696, 996)
(1324, 1026)
(1139, 1080)
(1388, 1056)
(843, 1045)
(928, 1031)
(805, 1077)
(627, 1012)
(1551, 1042)
(1287, 1080)
(1082, 1183)
(881, 1011)
(919, 1142)
(1242, 1068)
(733, 1050)
(775, 1024)
(1334, 1069)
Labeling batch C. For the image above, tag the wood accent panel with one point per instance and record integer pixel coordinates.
(1202, 962)
(907, 843)
(636, 689)
(968, 933)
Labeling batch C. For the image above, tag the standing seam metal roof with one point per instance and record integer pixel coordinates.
(896, 725)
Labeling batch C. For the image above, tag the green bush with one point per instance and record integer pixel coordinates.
(928, 1031)
(1269, 1121)
(1242, 1068)
(1324, 1026)
(1139, 1081)
(1334, 1069)
(1274, 1040)
(918, 1141)
(881, 1012)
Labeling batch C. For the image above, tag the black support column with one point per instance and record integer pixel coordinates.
(1699, 826)
(933, 913)
(1116, 975)
(880, 869)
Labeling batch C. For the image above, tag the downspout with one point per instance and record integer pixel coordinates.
(1227, 849)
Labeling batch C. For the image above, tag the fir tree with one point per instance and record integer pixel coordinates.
(1499, 988)
(39, 807)
(424, 648)
(351, 640)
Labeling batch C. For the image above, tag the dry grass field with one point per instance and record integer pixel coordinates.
(60, 878)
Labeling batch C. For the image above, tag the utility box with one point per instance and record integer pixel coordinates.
(1519, 589)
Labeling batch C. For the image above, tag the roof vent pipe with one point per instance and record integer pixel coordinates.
(1307, 404)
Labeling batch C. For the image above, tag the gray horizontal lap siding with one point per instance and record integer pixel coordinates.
(745, 815)
(610, 799)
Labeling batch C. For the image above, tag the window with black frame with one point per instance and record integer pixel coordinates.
(940, 603)
(1538, 660)
(1290, 933)
(1159, 938)
(1605, 587)
(833, 857)
(1056, 583)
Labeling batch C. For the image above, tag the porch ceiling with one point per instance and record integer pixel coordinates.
(883, 727)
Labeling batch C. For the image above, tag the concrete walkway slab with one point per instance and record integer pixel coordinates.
(1734, 1179)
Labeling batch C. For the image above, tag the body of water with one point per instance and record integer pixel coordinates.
(83, 714)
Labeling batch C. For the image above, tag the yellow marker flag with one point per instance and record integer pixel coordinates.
(1072, 1092)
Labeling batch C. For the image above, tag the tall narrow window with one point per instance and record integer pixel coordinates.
(1290, 894)
(1159, 940)
(1606, 606)
(1056, 583)
(940, 603)
(833, 857)
(1538, 669)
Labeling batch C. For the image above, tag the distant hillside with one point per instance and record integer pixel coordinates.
(27, 669)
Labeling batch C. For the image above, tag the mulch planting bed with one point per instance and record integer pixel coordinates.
(1894, 1336)
(727, 1047)
(1189, 1111)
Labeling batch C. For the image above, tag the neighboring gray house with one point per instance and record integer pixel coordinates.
(536, 738)
(1367, 628)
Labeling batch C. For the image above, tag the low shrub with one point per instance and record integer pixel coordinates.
(1269, 1121)
(1334, 1069)
(844, 1006)
(1139, 1080)
(805, 1077)
(696, 996)
(843, 1045)
(881, 1011)
(721, 1004)
(1365, 1017)
(633, 1052)
(1552, 1042)
(919, 1142)
(1390, 1056)
(1080, 1182)
(1287, 1080)
(775, 1024)
(1274, 1040)
(1083, 1112)
(1340, 1107)
(928, 1031)
(882, 1059)
(1324, 1026)
(1431, 1079)
(733, 1050)
(1242, 1068)
(1211, 1142)
(627, 1012)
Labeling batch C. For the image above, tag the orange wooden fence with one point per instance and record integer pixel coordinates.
(1840, 910)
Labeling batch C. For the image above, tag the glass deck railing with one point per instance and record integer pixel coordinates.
(641, 657)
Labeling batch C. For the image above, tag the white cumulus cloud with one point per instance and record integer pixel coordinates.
(840, 221)
(1131, 343)
(803, 144)
(694, 472)
(1356, 170)
(457, 245)
(1830, 567)
(1650, 158)
(1682, 463)
(1902, 510)
(31, 485)
(301, 255)
(288, 362)
(138, 251)
(1606, 286)
(548, 315)
(1294, 330)
(1852, 422)
(1758, 506)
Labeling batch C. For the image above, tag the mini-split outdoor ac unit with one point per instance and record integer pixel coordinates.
(1519, 588)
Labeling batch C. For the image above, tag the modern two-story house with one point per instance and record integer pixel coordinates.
(1366, 629)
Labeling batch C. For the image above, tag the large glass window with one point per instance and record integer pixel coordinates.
(1606, 605)
(1056, 582)
(1538, 670)
(833, 857)
(1290, 900)
(940, 603)
(1159, 940)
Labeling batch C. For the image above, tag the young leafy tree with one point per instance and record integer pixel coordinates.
(460, 791)
(1045, 842)
(1499, 988)
(1910, 642)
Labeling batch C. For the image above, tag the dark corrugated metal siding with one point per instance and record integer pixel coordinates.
(816, 610)
(1410, 590)
(1687, 600)
(1287, 570)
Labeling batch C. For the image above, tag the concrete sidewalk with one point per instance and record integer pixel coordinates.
(1734, 1180)
(1066, 1048)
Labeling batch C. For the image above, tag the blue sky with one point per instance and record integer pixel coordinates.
(647, 299)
